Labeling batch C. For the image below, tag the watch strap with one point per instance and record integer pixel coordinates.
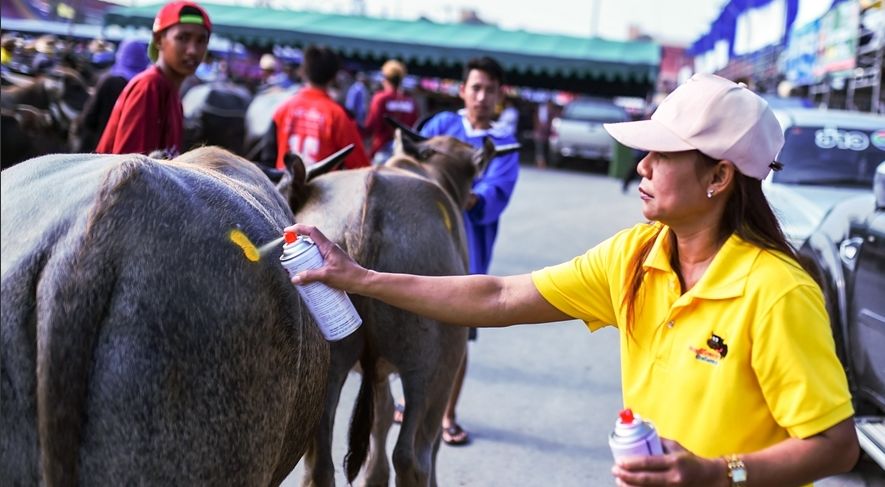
(737, 471)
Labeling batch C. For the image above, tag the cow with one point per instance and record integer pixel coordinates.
(259, 116)
(214, 114)
(403, 216)
(143, 338)
(56, 97)
(28, 132)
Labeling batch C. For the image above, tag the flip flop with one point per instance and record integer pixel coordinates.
(398, 410)
(455, 435)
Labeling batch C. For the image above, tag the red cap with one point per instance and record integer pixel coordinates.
(290, 237)
(626, 416)
(181, 12)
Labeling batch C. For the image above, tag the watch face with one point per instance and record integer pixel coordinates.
(738, 475)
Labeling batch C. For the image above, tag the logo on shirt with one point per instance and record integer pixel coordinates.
(717, 351)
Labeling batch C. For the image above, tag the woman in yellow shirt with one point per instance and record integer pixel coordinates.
(725, 341)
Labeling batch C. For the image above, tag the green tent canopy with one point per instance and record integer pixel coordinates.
(584, 65)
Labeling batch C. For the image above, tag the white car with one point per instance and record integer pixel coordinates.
(578, 131)
(828, 156)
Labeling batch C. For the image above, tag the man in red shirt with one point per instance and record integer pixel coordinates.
(393, 102)
(310, 123)
(148, 116)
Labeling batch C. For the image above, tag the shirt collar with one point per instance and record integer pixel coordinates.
(726, 276)
(469, 131)
(314, 92)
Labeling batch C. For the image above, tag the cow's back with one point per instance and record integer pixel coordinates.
(139, 344)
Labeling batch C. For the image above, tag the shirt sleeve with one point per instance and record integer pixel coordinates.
(349, 134)
(432, 127)
(796, 364)
(138, 129)
(495, 189)
(411, 118)
(583, 287)
(373, 119)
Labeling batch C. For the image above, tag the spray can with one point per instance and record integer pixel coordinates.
(634, 437)
(331, 308)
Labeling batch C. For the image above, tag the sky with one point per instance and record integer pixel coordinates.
(668, 21)
(676, 21)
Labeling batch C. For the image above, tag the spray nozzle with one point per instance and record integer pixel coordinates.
(290, 237)
(626, 416)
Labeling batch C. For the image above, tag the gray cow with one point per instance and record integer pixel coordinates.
(404, 216)
(140, 344)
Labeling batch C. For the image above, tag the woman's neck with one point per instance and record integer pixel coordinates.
(693, 253)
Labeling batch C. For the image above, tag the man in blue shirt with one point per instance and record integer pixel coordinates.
(357, 99)
(481, 92)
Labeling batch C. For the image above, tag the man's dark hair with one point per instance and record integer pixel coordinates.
(488, 66)
(320, 65)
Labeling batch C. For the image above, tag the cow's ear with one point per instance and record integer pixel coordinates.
(406, 130)
(295, 166)
(484, 154)
(405, 145)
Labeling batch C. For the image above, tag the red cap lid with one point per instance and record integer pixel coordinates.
(179, 12)
(290, 237)
(626, 416)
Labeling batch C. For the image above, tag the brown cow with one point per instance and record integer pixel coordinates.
(404, 216)
(139, 343)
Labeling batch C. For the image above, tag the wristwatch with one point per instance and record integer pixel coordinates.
(737, 472)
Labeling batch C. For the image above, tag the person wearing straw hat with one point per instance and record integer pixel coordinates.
(725, 341)
(148, 115)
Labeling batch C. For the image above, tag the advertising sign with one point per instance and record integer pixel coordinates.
(837, 49)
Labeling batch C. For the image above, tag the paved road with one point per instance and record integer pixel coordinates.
(539, 401)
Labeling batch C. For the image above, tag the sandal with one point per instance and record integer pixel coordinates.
(455, 435)
(398, 410)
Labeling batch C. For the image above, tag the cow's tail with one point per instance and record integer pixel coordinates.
(362, 419)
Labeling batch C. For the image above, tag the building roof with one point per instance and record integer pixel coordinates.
(530, 59)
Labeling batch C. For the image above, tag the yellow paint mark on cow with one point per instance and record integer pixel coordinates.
(447, 220)
(249, 250)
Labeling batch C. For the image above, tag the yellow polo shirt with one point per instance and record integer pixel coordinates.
(741, 361)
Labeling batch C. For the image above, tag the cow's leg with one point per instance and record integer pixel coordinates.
(319, 469)
(427, 441)
(410, 470)
(378, 470)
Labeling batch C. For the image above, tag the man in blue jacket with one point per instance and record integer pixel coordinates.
(481, 92)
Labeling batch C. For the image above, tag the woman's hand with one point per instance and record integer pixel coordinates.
(339, 270)
(676, 467)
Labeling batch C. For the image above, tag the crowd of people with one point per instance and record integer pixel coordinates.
(712, 249)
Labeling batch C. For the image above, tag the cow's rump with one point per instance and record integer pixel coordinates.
(139, 344)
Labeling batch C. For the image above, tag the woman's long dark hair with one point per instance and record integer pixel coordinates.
(747, 213)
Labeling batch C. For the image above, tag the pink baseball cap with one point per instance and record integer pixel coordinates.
(718, 117)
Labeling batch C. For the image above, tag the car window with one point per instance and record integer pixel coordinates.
(579, 110)
(830, 156)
